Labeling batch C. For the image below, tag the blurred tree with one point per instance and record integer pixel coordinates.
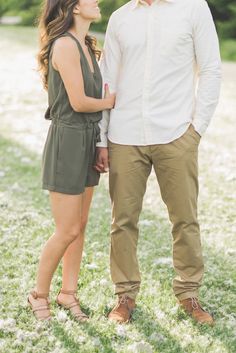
(107, 7)
(30, 11)
(224, 13)
(27, 9)
(4, 7)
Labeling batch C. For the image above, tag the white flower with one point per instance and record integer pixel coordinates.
(57, 350)
(58, 344)
(96, 342)
(174, 310)
(39, 327)
(92, 266)
(121, 331)
(2, 344)
(186, 339)
(68, 325)
(163, 261)
(99, 254)
(230, 177)
(16, 187)
(159, 314)
(26, 160)
(46, 223)
(231, 252)
(146, 222)
(8, 325)
(51, 339)
(103, 282)
(81, 339)
(140, 347)
(156, 337)
(11, 322)
(2, 173)
(21, 336)
(17, 342)
(2, 324)
(61, 316)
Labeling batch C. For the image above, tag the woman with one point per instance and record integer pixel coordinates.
(71, 75)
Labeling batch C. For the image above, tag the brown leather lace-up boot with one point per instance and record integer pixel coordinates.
(122, 312)
(194, 309)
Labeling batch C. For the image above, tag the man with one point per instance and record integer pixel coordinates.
(153, 53)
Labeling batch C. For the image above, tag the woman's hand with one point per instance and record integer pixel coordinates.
(110, 97)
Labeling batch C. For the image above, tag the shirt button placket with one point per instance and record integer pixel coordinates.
(148, 74)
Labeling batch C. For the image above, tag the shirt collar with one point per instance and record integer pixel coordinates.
(137, 3)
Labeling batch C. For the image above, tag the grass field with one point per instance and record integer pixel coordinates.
(25, 223)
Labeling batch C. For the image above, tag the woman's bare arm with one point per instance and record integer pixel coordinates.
(66, 60)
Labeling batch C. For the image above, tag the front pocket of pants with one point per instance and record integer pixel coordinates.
(194, 134)
(187, 142)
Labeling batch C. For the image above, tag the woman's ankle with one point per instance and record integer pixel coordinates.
(38, 294)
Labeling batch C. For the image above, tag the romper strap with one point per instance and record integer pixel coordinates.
(68, 34)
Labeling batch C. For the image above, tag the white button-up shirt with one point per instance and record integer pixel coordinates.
(164, 64)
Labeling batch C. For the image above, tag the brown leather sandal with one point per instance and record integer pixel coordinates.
(40, 308)
(74, 306)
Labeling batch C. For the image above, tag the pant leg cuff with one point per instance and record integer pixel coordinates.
(131, 295)
(187, 295)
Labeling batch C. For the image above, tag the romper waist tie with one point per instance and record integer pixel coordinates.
(96, 138)
(88, 124)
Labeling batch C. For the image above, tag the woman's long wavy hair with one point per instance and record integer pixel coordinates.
(56, 19)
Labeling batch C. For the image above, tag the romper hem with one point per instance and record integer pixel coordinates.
(62, 190)
(66, 190)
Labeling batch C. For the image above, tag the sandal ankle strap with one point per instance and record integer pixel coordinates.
(69, 292)
(37, 295)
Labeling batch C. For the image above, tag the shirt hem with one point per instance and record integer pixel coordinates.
(163, 142)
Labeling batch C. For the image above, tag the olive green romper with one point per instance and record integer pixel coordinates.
(70, 148)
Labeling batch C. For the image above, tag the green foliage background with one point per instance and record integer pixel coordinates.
(224, 13)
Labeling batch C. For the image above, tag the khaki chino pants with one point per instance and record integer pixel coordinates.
(176, 169)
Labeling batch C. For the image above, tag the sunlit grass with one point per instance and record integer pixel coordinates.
(158, 325)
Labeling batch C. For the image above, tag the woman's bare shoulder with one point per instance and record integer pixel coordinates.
(65, 45)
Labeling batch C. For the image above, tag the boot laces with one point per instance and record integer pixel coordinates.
(195, 304)
(123, 299)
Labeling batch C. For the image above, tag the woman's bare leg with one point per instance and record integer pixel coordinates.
(66, 210)
(73, 255)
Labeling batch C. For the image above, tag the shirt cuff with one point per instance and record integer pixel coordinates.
(103, 142)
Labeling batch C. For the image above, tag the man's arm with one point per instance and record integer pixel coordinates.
(110, 65)
(209, 67)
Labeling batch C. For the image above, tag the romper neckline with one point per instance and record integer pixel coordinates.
(81, 50)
